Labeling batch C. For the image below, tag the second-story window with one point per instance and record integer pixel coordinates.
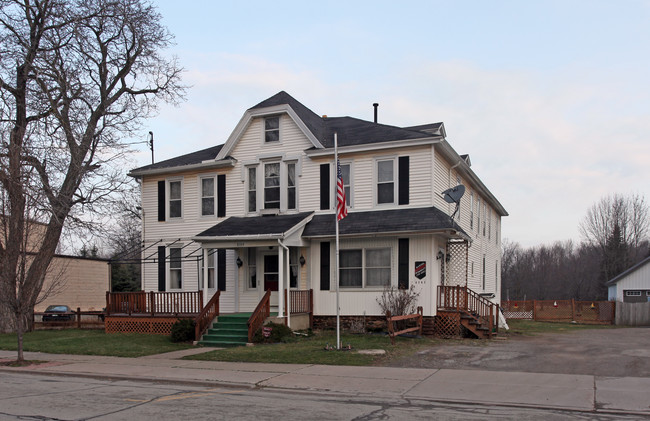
(207, 196)
(291, 186)
(272, 186)
(471, 210)
(478, 216)
(252, 189)
(175, 199)
(386, 181)
(484, 216)
(347, 183)
(271, 129)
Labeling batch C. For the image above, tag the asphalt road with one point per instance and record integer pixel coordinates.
(621, 352)
(36, 397)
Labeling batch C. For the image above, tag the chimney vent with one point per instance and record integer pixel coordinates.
(376, 105)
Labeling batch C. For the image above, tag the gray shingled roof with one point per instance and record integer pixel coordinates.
(255, 225)
(351, 131)
(386, 221)
(187, 159)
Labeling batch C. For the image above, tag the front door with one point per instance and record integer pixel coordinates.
(271, 272)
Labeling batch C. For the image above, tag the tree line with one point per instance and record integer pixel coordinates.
(614, 234)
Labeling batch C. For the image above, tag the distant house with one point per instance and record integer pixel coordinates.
(631, 286)
(257, 213)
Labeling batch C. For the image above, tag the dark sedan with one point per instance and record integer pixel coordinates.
(58, 313)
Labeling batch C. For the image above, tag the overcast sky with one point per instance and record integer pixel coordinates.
(550, 99)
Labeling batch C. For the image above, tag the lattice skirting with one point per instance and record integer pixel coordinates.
(447, 325)
(147, 325)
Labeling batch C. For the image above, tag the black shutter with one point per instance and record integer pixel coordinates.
(221, 269)
(221, 195)
(162, 268)
(403, 263)
(325, 266)
(161, 200)
(403, 180)
(325, 186)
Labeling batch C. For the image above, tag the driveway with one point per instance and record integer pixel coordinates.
(623, 352)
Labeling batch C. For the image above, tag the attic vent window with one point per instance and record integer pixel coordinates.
(272, 129)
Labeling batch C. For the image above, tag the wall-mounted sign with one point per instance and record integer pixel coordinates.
(420, 270)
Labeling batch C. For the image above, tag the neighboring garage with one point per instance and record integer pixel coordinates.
(633, 285)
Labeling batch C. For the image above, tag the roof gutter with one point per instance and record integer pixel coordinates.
(222, 163)
(450, 232)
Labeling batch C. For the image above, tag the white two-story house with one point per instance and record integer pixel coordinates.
(257, 213)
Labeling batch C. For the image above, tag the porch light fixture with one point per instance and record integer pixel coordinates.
(440, 255)
(302, 260)
(239, 262)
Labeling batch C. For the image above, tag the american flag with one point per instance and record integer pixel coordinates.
(341, 210)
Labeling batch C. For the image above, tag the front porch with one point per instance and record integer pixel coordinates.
(156, 312)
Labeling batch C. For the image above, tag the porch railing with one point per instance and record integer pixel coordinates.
(262, 311)
(302, 301)
(461, 298)
(206, 316)
(152, 303)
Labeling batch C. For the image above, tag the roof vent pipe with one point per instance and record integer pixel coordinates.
(376, 104)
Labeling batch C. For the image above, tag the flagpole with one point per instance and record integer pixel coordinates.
(336, 217)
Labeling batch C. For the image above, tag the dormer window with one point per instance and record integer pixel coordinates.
(271, 129)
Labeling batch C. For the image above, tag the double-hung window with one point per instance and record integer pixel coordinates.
(252, 268)
(361, 268)
(175, 199)
(294, 267)
(291, 185)
(385, 181)
(272, 185)
(211, 256)
(478, 216)
(252, 189)
(175, 268)
(207, 196)
(271, 129)
(471, 210)
(347, 182)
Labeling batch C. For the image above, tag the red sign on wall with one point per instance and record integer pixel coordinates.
(420, 269)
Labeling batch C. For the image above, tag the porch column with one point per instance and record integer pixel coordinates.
(205, 276)
(280, 281)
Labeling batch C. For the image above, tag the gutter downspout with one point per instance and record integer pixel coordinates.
(288, 304)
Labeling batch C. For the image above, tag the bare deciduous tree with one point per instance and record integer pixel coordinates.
(76, 78)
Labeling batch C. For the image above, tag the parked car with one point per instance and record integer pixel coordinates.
(58, 313)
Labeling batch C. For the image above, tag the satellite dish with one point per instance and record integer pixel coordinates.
(454, 194)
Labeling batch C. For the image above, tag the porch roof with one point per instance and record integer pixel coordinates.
(255, 227)
(391, 221)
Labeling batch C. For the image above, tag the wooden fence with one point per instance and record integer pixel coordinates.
(78, 319)
(588, 312)
(633, 314)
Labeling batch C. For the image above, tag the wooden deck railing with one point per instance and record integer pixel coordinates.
(262, 311)
(461, 298)
(206, 316)
(152, 303)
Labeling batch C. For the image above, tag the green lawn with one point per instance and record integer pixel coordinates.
(531, 328)
(92, 342)
(311, 350)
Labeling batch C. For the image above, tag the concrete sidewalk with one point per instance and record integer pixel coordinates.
(541, 390)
